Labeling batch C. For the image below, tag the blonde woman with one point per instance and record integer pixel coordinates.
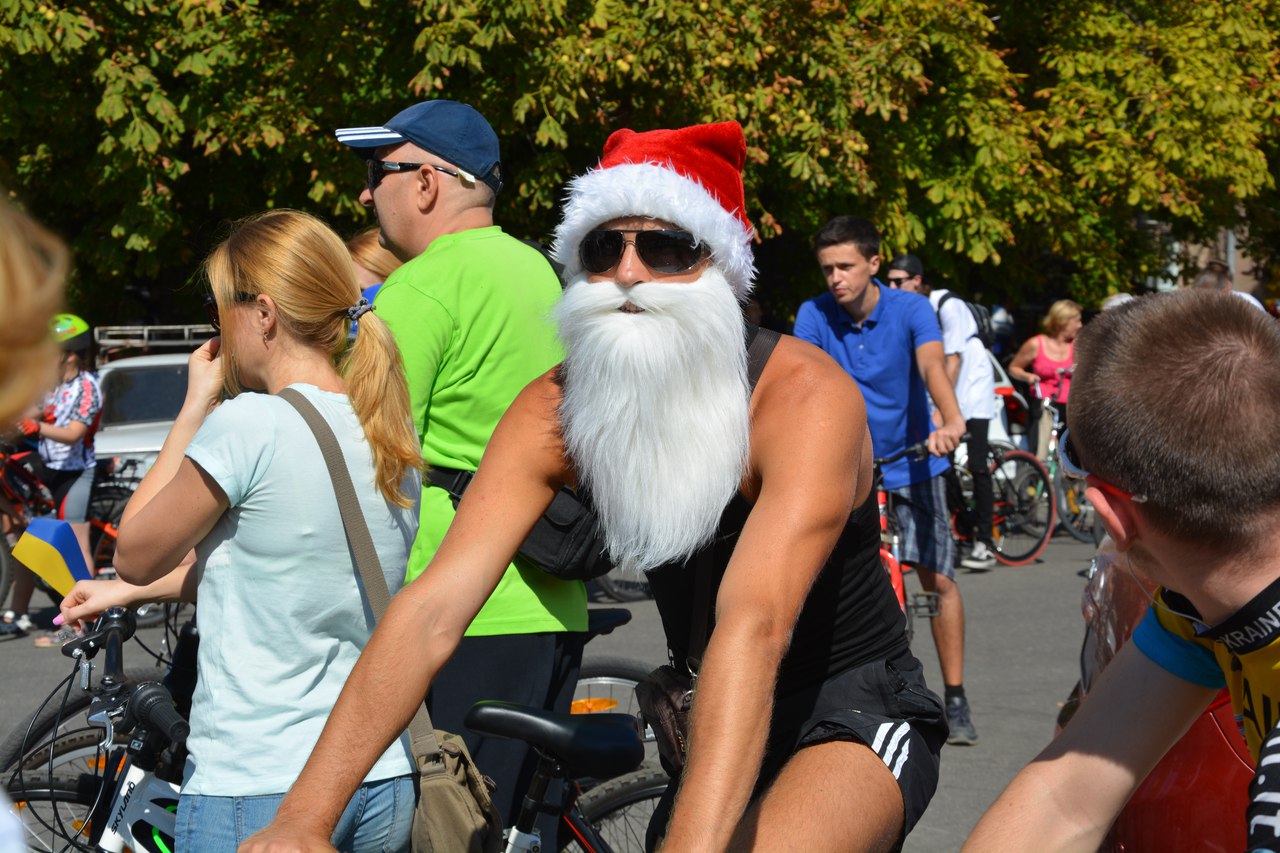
(1042, 357)
(282, 619)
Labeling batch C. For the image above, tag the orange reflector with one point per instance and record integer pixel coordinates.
(593, 706)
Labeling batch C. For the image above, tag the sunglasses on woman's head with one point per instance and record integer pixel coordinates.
(666, 252)
(211, 307)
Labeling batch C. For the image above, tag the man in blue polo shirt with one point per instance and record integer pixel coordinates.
(889, 342)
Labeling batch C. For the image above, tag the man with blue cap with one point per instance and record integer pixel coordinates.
(469, 309)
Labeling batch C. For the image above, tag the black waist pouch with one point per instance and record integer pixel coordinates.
(566, 541)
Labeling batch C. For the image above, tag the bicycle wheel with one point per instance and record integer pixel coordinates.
(54, 813)
(621, 808)
(1074, 510)
(623, 589)
(1024, 512)
(608, 685)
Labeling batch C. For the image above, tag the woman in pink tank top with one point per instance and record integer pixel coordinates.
(1042, 356)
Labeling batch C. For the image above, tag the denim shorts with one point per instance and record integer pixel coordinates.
(377, 820)
(924, 525)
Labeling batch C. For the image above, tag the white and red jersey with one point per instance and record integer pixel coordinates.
(77, 399)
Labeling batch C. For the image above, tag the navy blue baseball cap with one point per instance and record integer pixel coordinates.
(448, 129)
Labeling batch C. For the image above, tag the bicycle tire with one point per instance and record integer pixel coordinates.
(1074, 512)
(51, 811)
(620, 809)
(623, 590)
(1025, 507)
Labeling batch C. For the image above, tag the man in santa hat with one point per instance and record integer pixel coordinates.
(811, 716)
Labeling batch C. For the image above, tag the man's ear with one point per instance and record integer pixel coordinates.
(874, 263)
(427, 183)
(1117, 515)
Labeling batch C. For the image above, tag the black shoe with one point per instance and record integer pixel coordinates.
(958, 720)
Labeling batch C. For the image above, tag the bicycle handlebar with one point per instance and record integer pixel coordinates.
(152, 707)
(113, 628)
(917, 452)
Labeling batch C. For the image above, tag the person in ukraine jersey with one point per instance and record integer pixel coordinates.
(1184, 475)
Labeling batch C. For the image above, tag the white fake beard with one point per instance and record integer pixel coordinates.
(656, 411)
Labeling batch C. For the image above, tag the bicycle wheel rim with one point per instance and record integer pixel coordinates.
(1074, 510)
(1025, 508)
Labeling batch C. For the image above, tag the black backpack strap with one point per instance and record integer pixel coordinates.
(760, 344)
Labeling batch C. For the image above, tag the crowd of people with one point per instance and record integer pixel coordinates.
(632, 384)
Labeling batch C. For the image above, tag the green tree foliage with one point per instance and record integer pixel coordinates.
(1020, 147)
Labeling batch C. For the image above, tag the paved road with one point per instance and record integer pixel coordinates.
(1024, 632)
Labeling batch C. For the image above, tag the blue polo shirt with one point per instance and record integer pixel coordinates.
(881, 357)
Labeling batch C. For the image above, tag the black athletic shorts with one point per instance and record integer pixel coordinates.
(884, 705)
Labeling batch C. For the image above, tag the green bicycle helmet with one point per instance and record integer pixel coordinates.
(71, 332)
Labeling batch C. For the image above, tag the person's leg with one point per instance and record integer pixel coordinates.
(836, 796)
(948, 625)
(927, 545)
(75, 509)
(379, 818)
(983, 494)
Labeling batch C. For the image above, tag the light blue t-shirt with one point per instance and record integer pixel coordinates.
(880, 355)
(282, 619)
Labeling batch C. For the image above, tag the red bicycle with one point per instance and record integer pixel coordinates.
(24, 496)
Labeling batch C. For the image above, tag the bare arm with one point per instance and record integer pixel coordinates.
(795, 522)
(953, 369)
(1068, 797)
(932, 366)
(87, 599)
(177, 503)
(69, 434)
(1021, 361)
(521, 472)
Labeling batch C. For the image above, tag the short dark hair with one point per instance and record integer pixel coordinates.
(849, 229)
(1195, 435)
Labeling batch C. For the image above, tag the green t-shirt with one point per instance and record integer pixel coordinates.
(471, 316)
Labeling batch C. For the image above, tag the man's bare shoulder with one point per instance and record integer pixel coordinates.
(800, 377)
(530, 429)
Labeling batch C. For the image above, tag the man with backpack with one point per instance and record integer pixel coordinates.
(969, 370)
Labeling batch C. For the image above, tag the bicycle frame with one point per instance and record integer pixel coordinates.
(142, 811)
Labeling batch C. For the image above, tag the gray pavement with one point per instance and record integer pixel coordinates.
(1024, 633)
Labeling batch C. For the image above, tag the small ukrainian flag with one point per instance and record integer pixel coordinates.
(50, 549)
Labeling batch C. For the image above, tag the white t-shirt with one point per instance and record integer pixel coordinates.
(1251, 299)
(975, 386)
(282, 619)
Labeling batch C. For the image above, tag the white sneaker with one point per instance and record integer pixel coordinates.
(979, 558)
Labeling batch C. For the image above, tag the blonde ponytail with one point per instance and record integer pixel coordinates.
(379, 394)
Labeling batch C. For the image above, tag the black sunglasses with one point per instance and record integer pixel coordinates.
(661, 251)
(211, 307)
(375, 169)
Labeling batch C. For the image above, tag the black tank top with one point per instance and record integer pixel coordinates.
(851, 616)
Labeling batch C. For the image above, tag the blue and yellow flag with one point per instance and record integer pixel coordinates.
(49, 548)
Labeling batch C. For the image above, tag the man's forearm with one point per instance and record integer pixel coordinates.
(944, 395)
(731, 717)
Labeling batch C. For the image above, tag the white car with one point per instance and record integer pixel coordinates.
(141, 397)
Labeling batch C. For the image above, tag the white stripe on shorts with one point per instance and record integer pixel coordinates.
(896, 733)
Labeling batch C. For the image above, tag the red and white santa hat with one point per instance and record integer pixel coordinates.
(691, 177)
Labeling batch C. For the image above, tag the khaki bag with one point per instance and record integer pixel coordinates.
(455, 812)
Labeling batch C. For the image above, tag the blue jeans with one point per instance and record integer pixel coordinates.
(377, 820)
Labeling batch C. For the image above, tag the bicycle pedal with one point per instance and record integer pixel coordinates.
(925, 604)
